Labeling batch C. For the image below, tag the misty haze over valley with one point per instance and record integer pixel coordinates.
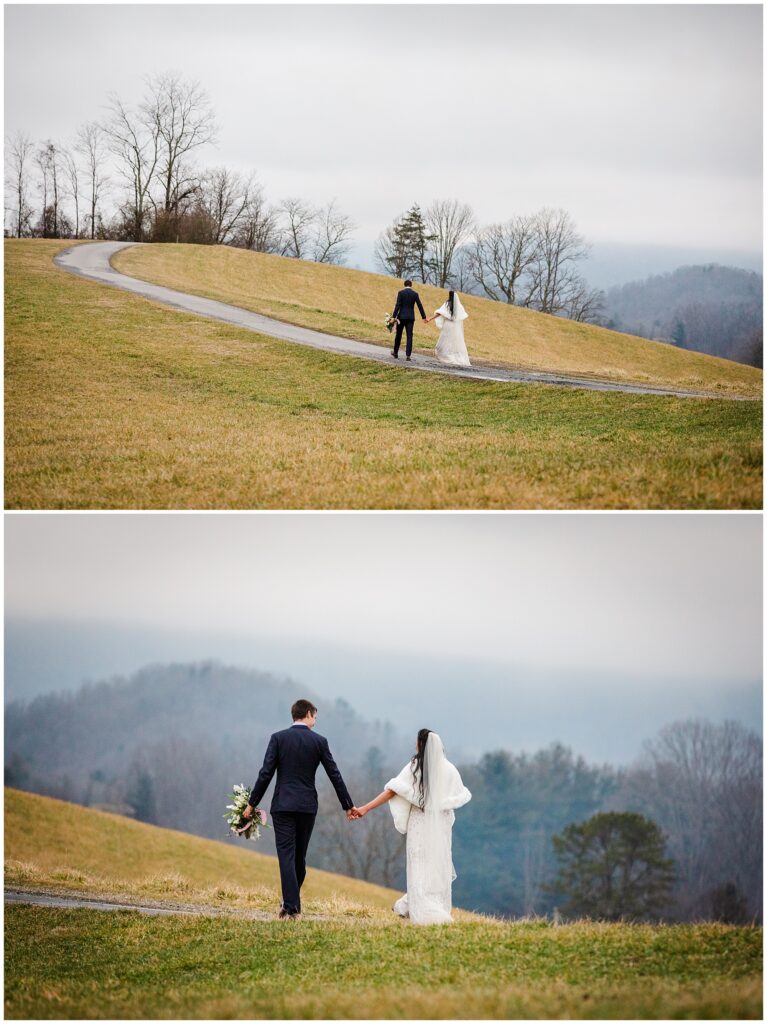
(482, 705)
(140, 746)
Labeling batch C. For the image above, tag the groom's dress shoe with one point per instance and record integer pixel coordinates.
(408, 358)
(394, 354)
(286, 915)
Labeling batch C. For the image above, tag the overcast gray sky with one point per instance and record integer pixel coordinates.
(672, 596)
(644, 121)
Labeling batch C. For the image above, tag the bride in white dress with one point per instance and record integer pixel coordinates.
(422, 801)
(451, 348)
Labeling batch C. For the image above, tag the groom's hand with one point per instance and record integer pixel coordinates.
(248, 812)
(352, 814)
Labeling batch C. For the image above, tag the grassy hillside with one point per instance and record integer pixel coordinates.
(360, 962)
(115, 402)
(352, 303)
(84, 849)
(84, 963)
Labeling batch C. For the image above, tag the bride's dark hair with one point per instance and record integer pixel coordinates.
(451, 302)
(417, 765)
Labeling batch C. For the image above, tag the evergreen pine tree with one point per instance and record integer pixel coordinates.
(403, 249)
(678, 334)
(397, 259)
(416, 242)
(612, 867)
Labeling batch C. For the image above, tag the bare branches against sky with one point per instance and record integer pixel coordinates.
(644, 121)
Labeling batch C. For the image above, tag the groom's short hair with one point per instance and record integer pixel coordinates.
(301, 709)
(408, 284)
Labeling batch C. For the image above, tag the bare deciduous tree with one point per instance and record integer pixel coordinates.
(136, 144)
(259, 228)
(72, 175)
(580, 301)
(502, 257)
(449, 223)
(389, 254)
(370, 848)
(332, 233)
(19, 156)
(559, 245)
(49, 163)
(41, 159)
(226, 195)
(179, 111)
(463, 270)
(703, 783)
(298, 219)
(91, 145)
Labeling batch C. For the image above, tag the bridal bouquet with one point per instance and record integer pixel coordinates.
(389, 322)
(239, 825)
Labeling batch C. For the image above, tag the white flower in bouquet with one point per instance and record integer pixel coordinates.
(239, 825)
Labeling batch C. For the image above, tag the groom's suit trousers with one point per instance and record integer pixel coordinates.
(407, 325)
(292, 832)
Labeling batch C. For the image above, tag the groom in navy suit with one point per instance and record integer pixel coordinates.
(296, 754)
(404, 311)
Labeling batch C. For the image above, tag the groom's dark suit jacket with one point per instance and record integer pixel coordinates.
(296, 754)
(404, 309)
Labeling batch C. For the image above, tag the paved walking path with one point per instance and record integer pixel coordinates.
(39, 898)
(92, 260)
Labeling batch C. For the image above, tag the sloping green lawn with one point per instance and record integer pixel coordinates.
(97, 964)
(358, 961)
(116, 402)
(352, 303)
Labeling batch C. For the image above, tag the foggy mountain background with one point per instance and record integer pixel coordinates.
(710, 308)
(612, 663)
(615, 263)
(602, 715)
(165, 746)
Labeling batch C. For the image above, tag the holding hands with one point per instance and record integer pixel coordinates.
(359, 812)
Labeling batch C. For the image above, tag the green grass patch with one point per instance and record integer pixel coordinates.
(82, 963)
(115, 402)
(359, 961)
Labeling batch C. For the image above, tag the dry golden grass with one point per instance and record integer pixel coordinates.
(115, 402)
(353, 303)
(88, 851)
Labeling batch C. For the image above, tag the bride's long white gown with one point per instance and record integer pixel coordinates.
(430, 870)
(429, 896)
(451, 347)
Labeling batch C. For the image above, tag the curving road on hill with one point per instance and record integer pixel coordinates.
(41, 898)
(93, 261)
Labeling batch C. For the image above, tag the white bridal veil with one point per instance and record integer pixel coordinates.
(445, 790)
(425, 813)
(437, 791)
(443, 313)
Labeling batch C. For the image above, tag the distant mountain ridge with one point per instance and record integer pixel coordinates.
(165, 745)
(198, 728)
(708, 308)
